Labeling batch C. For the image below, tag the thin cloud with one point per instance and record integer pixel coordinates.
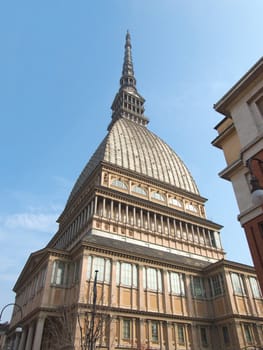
(31, 221)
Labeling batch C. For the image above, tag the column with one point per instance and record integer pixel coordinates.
(134, 338)
(111, 209)
(114, 290)
(103, 208)
(112, 333)
(169, 336)
(155, 222)
(17, 337)
(22, 340)
(161, 332)
(141, 301)
(162, 225)
(29, 337)
(189, 295)
(141, 338)
(166, 297)
(88, 212)
(148, 221)
(175, 228)
(198, 233)
(96, 205)
(181, 229)
(187, 231)
(92, 207)
(38, 333)
(119, 212)
(127, 214)
(168, 227)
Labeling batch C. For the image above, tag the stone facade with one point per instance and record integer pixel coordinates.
(240, 136)
(136, 217)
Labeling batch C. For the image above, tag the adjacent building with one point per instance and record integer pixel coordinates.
(135, 263)
(240, 136)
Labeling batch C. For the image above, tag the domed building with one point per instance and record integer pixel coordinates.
(135, 263)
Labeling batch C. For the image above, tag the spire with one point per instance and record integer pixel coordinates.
(128, 78)
(128, 103)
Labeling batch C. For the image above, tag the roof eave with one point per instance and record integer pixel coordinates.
(222, 105)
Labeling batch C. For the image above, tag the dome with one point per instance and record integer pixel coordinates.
(130, 145)
(133, 147)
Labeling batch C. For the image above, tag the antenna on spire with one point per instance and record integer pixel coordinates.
(128, 78)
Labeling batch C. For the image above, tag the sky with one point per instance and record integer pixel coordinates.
(60, 66)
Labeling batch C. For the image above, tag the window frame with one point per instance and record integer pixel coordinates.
(151, 282)
(122, 278)
(126, 329)
(195, 287)
(238, 283)
(226, 335)
(255, 289)
(176, 283)
(155, 331)
(203, 336)
(104, 275)
(59, 273)
(248, 333)
(181, 334)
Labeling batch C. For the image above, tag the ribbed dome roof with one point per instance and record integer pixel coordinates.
(130, 145)
(133, 147)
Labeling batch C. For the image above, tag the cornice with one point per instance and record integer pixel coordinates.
(151, 181)
(155, 207)
(139, 258)
(252, 74)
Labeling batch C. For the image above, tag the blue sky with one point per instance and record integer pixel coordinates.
(60, 66)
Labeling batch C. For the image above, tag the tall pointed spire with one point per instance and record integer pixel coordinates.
(128, 78)
(128, 103)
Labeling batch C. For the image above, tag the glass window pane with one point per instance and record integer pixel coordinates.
(175, 283)
(144, 278)
(197, 286)
(126, 277)
(151, 279)
(134, 277)
(248, 333)
(126, 329)
(89, 267)
(154, 331)
(98, 264)
(180, 332)
(107, 270)
(255, 287)
(160, 285)
(204, 340)
(237, 282)
(118, 273)
(226, 335)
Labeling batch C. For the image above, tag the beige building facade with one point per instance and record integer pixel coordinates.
(240, 136)
(135, 215)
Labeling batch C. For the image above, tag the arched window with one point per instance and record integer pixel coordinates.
(158, 196)
(120, 184)
(139, 190)
(191, 207)
(175, 202)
